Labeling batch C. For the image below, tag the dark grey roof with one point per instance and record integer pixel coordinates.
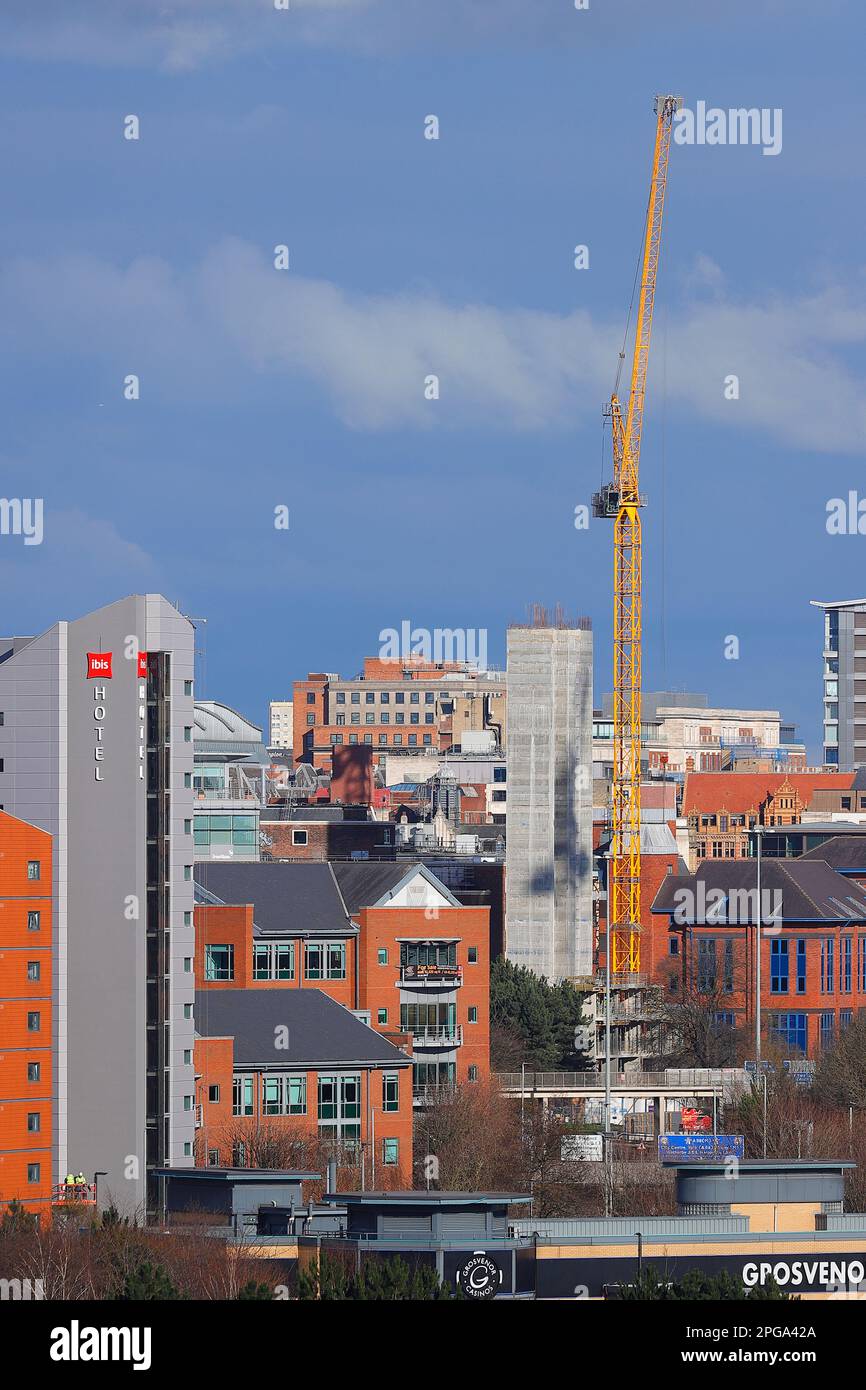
(811, 891)
(366, 882)
(324, 813)
(841, 852)
(320, 1031)
(419, 1197)
(287, 899)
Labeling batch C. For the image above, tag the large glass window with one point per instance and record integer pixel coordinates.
(706, 965)
(789, 1030)
(778, 966)
(242, 1096)
(437, 1020)
(274, 960)
(845, 965)
(325, 960)
(219, 962)
(827, 956)
(239, 830)
(284, 1095)
(429, 955)
(801, 965)
(339, 1107)
(390, 1091)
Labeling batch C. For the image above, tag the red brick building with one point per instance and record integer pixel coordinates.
(389, 941)
(26, 1086)
(813, 946)
(284, 1064)
(321, 833)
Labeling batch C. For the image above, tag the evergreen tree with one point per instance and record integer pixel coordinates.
(147, 1284)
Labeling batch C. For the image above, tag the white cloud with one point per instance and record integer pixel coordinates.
(207, 332)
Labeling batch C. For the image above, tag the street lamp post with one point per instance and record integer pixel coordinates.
(759, 831)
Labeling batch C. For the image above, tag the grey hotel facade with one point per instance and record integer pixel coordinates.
(96, 742)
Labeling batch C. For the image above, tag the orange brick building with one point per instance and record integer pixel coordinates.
(26, 1089)
(284, 1064)
(389, 941)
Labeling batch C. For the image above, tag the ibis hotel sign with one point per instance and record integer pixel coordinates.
(99, 669)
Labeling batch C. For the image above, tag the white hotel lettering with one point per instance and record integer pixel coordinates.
(100, 695)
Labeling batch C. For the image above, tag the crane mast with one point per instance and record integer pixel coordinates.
(621, 502)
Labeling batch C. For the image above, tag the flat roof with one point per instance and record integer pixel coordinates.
(421, 1197)
(276, 1175)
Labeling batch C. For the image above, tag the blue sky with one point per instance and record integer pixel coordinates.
(305, 388)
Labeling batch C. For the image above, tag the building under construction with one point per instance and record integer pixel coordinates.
(548, 921)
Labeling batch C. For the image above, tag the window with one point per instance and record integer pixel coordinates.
(34, 1071)
(187, 1010)
(311, 719)
(428, 718)
(472, 955)
(34, 920)
(728, 969)
(827, 1029)
(429, 955)
(325, 960)
(189, 1102)
(187, 733)
(369, 718)
(861, 963)
(34, 1172)
(789, 1030)
(827, 965)
(399, 697)
(382, 1016)
(414, 698)
(284, 1095)
(339, 1107)
(187, 965)
(187, 827)
(390, 1152)
(500, 774)
(706, 965)
(845, 965)
(413, 739)
(355, 697)
(187, 687)
(369, 697)
(311, 697)
(274, 960)
(187, 873)
(390, 1091)
(213, 1094)
(385, 697)
(242, 1097)
(473, 1014)
(778, 966)
(34, 1123)
(383, 955)
(399, 718)
(34, 1022)
(428, 738)
(414, 718)
(341, 697)
(845, 1017)
(213, 1158)
(473, 1073)
(299, 837)
(34, 870)
(33, 970)
(801, 965)
(187, 779)
(219, 962)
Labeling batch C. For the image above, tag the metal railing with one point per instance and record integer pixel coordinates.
(688, 1079)
(437, 1034)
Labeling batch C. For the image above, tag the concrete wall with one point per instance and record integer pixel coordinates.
(548, 858)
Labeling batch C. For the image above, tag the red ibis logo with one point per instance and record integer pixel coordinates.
(142, 663)
(98, 666)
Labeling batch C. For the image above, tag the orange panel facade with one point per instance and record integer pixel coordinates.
(26, 1087)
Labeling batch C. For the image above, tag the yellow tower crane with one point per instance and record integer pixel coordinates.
(620, 501)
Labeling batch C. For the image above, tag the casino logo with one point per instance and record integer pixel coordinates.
(479, 1277)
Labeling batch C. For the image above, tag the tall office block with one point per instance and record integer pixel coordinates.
(96, 728)
(548, 924)
(844, 683)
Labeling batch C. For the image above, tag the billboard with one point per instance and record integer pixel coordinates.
(685, 1147)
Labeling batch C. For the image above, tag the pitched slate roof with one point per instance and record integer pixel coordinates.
(286, 898)
(811, 891)
(319, 1030)
(366, 882)
(844, 853)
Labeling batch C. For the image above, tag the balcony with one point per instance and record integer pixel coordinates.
(439, 976)
(436, 1035)
(432, 1095)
